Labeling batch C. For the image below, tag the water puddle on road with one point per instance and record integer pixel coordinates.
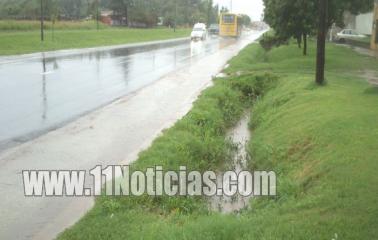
(240, 136)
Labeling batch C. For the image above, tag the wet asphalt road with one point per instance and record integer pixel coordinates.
(38, 94)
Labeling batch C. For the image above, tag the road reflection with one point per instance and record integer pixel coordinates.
(35, 100)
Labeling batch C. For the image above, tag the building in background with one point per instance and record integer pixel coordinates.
(106, 17)
(366, 24)
(362, 23)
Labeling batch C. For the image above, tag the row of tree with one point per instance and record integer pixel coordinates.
(30, 9)
(301, 18)
(180, 12)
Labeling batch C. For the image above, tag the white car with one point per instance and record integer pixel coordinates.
(199, 32)
(348, 34)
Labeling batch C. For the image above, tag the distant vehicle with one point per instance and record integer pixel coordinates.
(230, 25)
(348, 34)
(214, 29)
(199, 32)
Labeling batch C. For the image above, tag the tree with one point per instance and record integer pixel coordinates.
(209, 12)
(138, 12)
(224, 9)
(320, 57)
(246, 20)
(299, 18)
(72, 9)
(331, 12)
(291, 18)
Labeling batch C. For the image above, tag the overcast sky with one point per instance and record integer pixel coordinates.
(254, 8)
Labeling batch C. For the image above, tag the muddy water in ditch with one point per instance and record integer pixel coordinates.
(240, 136)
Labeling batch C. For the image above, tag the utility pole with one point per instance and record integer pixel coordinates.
(209, 9)
(322, 31)
(230, 6)
(174, 25)
(42, 24)
(97, 17)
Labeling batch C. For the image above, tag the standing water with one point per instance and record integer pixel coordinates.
(240, 136)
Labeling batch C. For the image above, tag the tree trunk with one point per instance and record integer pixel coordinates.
(97, 16)
(299, 41)
(320, 58)
(127, 15)
(305, 44)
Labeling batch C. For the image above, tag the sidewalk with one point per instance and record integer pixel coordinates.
(371, 76)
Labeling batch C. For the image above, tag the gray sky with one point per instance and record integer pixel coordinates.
(254, 8)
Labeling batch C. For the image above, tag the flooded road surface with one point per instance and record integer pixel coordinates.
(41, 93)
(113, 134)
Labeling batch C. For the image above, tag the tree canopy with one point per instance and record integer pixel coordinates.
(181, 12)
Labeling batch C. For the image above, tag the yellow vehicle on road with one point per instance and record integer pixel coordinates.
(230, 25)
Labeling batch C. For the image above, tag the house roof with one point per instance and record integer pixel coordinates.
(106, 13)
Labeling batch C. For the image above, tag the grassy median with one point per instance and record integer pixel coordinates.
(24, 37)
(321, 141)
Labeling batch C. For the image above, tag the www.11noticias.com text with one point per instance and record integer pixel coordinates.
(154, 181)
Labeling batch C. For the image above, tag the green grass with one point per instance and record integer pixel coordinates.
(321, 141)
(28, 41)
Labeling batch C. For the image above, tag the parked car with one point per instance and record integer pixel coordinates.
(348, 34)
(199, 32)
(214, 29)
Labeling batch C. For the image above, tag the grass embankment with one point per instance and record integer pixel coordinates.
(24, 37)
(321, 141)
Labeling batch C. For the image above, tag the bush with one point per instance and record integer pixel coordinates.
(268, 41)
